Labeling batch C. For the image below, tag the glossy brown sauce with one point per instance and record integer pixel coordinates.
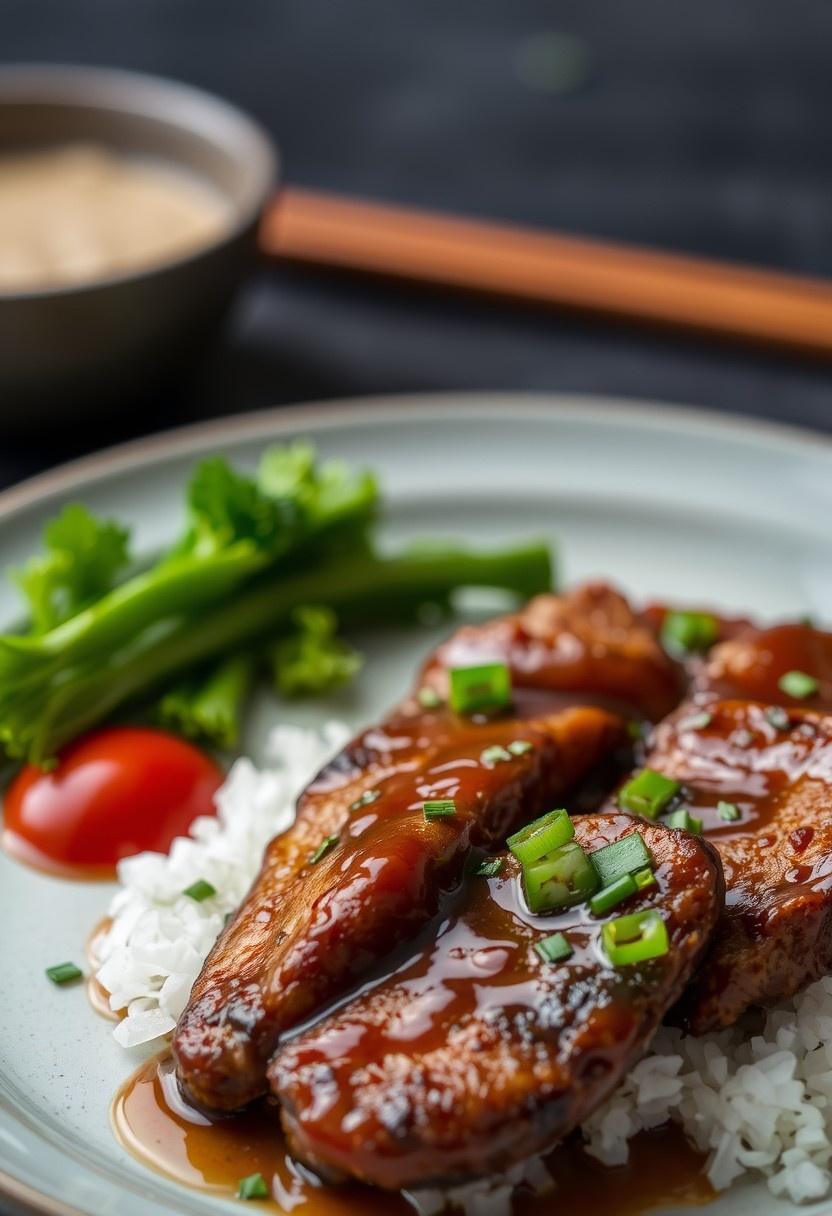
(148, 1114)
(756, 659)
(744, 757)
(727, 627)
(99, 999)
(471, 1016)
(306, 924)
(252, 1144)
(97, 994)
(588, 640)
(153, 1123)
(419, 755)
(471, 960)
(407, 733)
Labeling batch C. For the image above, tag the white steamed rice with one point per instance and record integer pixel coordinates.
(757, 1098)
(159, 937)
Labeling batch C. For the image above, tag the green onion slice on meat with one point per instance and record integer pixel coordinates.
(648, 793)
(632, 939)
(621, 857)
(538, 838)
(480, 689)
(560, 879)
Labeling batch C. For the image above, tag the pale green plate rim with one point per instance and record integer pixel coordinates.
(672, 419)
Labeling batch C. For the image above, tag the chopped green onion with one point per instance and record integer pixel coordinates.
(520, 747)
(328, 842)
(621, 857)
(613, 895)
(644, 879)
(798, 684)
(478, 689)
(696, 721)
(489, 869)
(635, 938)
(200, 890)
(648, 793)
(440, 808)
(64, 973)
(777, 717)
(688, 631)
(554, 949)
(728, 811)
(366, 799)
(540, 836)
(428, 698)
(253, 1187)
(681, 819)
(637, 730)
(808, 622)
(495, 755)
(562, 878)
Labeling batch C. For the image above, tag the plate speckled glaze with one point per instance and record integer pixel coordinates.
(667, 502)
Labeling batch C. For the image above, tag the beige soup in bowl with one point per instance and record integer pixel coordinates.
(81, 213)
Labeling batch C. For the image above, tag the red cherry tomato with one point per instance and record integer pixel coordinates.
(113, 793)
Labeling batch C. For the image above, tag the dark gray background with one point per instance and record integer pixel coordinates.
(699, 125)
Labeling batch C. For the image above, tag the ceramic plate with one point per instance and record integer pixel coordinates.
(666, 502)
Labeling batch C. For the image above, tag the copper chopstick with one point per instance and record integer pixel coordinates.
(305, 228)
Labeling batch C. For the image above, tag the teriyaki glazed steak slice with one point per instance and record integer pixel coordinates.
(503, 1030)
(365, 864)
(759, 778)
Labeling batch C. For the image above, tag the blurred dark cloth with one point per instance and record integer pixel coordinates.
(689, 125)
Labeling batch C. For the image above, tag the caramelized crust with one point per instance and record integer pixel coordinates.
(751, 664)
(776, 933)
(307, 930)
(589, 641)
(474, 1053)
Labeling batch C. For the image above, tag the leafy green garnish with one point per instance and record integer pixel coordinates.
(293, 504)
(312, 660)
(225, 506)
(256, 552)
(210, 709)
(330, 494)
(84, 557)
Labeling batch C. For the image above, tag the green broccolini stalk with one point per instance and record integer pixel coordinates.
(310, 660)
(256, 553)
(235, 531)
(369, 590)
(83, 558)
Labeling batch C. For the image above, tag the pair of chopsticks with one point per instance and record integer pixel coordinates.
(502, 261)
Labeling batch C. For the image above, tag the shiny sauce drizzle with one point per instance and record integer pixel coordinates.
(372, 792)
(97, 994)
(474, 984)
(752, 666)
(749, 756)
(153, 1123)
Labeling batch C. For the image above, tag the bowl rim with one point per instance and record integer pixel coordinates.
(188, 108)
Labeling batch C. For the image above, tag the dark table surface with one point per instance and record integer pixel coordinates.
(694, 126)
